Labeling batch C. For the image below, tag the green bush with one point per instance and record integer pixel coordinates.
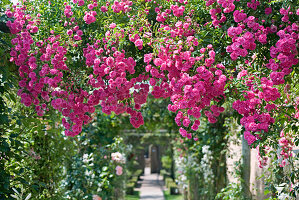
(168, 181)
(166, 162)
(165, 174)
(130, 188)
(231, 192)
(173, 188)
(138, 173)
(134, 180)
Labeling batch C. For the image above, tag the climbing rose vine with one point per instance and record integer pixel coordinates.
(81, 55)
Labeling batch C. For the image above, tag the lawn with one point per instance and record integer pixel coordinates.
(135, 196)
(168, 196)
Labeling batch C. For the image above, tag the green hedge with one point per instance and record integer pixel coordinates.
(171, 185)
(130, 188)
(138, 173)
(168, 180)
(165, 174)
(131, 184)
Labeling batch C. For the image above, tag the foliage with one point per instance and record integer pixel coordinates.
(92, 172)
(19, 195)
(279, 181)
(201, 166)
(166, 162)
(232, 191)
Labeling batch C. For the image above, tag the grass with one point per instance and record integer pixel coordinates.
(172, 197)
(135, 196)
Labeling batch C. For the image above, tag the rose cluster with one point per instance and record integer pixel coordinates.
(170, 69)
(286, 144)
(176, 65)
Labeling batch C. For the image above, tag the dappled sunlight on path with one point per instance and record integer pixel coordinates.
(151, 186)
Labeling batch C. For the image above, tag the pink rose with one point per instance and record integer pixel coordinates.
(268, 11)
(138, 43)
(104, 9)
(148, 58)
(119, 170)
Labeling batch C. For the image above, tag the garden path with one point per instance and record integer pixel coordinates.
(151, 186)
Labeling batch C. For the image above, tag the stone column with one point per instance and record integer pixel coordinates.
(246, 168)
(154, 156)
(193, 188)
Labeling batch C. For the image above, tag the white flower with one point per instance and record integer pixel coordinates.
(283, 196)
(118, 157)
(87, 158)
(206, 164)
